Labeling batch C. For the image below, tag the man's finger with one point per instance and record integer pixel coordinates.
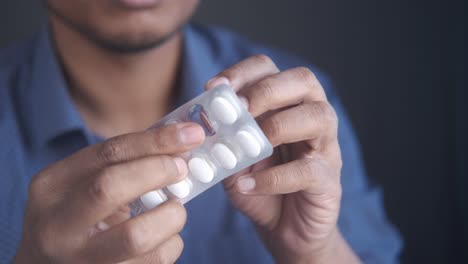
(245, 73)
(283, 89)
(138, 236)
(311, 175)
(118, 185)
(170, 139)
(168, 252)
(303, 122)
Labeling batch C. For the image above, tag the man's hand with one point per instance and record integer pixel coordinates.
(77, 210)
(294, 196)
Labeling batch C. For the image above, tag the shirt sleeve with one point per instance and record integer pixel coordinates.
(362, 220)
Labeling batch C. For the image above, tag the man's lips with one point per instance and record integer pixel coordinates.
(136, 4)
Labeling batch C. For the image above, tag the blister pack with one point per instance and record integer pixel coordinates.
(233, 142)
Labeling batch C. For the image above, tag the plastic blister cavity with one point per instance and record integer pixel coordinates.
(233, 142)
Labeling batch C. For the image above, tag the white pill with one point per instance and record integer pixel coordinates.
(201, 170)
(152, 199)
(224, 156)
(248, 143)
(224, 111)
(180, 189)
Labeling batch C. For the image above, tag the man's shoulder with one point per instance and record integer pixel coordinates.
(229, 47)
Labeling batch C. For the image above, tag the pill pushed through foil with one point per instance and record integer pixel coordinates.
(200, 169)
(180, 189)
(152, 199)
(233, 142)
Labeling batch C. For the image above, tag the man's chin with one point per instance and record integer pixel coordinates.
(121, 43)
(126, 46)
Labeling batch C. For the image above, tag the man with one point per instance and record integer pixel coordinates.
(75, 104)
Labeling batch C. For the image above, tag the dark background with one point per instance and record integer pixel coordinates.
(399, 67)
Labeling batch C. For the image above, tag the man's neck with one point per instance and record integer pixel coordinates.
(118, 93)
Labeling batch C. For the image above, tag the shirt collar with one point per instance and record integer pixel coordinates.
(49, 110)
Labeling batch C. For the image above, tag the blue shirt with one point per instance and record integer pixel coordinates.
(39, 124)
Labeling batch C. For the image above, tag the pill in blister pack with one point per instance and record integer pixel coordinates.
(233, 142)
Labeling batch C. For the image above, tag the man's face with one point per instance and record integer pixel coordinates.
(124, 25)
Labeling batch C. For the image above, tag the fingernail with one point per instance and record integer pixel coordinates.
(181, 166)
(245, 184)
(244, 102)
(217, 81)
(191, 134)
